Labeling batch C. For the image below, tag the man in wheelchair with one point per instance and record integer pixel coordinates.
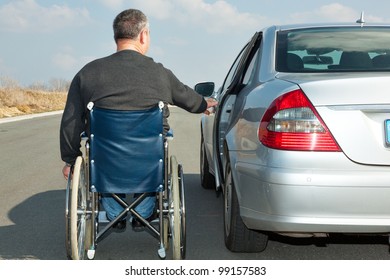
(125, 80)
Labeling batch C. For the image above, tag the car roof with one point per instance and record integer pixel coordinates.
(325, 24)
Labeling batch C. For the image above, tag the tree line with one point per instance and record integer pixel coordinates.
(53, 85)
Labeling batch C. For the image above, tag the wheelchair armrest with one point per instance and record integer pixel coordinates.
(84, 136)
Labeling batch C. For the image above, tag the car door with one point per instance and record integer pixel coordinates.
(232, 86)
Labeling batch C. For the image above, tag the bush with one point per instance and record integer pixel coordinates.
(17, 101)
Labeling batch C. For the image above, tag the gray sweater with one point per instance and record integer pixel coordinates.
(126, 80)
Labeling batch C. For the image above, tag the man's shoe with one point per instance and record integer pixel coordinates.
(138, 225)
(120, 225)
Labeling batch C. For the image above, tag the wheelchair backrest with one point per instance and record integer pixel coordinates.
(126, 150)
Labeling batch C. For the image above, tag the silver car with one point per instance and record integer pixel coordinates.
(300, 141)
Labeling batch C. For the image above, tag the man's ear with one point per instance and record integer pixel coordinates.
(143, 38)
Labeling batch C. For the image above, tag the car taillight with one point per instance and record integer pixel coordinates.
(292, 123)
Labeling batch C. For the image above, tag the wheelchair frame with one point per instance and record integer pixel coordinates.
(82, 221)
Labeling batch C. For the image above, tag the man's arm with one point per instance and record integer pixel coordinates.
(185, 97)
(72, 125)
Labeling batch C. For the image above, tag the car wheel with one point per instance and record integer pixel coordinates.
(238, 238)
(206, 178)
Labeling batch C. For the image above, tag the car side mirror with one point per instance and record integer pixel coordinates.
(205, 89)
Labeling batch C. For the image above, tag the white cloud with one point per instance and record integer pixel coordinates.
(112, 4)
(156, 51)
(222, 17)
(327, 13)
(65, 61)
(334, 12)
(29, 16)
(177, 41)
(217, 17)
(159, 9)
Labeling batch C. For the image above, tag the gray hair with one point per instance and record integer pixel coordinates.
(129, 24)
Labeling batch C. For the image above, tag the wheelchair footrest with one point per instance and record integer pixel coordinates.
(103, 217)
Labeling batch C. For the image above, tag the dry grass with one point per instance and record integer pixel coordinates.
(17, 101)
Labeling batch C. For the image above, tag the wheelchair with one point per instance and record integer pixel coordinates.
(126, 152)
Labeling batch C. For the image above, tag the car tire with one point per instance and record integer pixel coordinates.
(207, 179)
(238, 238)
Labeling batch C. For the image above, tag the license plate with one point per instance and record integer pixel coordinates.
(387, 132)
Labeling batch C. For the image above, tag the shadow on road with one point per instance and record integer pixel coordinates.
(39, 228)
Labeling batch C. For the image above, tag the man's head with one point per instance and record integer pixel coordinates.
(132, 25)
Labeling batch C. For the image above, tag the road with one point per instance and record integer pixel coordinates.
(32, 206)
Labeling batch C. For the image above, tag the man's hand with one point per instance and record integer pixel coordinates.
(211, 103)
(66, 171)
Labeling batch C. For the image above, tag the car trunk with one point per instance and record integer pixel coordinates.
(356, 109)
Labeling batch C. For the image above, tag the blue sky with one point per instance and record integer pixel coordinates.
(197, 39)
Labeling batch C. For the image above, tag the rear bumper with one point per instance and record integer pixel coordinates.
(293, 224)
(314, 200)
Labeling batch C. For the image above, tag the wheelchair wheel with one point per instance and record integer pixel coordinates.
(177, 213)
(183, 237)
(67, 219)
(78, 220)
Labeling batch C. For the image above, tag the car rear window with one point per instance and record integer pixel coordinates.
(333, 49)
